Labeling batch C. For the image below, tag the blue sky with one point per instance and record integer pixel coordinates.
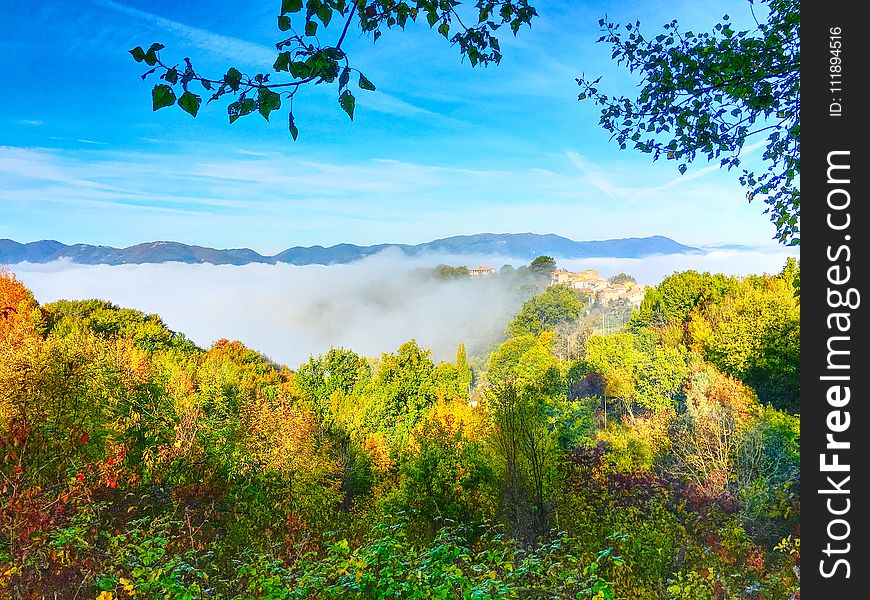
(440, 149)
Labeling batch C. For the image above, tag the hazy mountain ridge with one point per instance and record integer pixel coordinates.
(508, 245)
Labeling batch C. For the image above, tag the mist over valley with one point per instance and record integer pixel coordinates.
(372, 305)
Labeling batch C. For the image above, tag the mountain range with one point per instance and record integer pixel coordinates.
(508, 245)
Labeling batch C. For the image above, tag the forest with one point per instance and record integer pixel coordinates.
(657, 459)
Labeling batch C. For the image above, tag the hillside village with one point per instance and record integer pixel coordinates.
(600, 290)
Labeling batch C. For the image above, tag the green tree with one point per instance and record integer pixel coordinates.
(402, 390)
(338, 370)
(754, 333)
(556, 305)
(791, 273)
(543, 266)
(673, 300)
(448, 272)
(446, 476)
(526, 361)
(465, 375)
(706, 94)
(108, 321)
(621, 278)
(303, 58)
(527, 448)
(637, 371)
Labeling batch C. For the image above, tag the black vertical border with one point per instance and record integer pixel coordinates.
(821, 134)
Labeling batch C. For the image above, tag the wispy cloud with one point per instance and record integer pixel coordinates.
(361, 201)
(30, 122)
(245, 152)
(213, 43)
(392, 105)
(703, 172)
(597, 177)
(617, 184)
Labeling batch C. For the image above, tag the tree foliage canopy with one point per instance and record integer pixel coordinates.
(707, 94)
(556, 305)
(303, 57)
(134, 463)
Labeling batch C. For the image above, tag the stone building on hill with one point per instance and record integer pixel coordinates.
(482, 271)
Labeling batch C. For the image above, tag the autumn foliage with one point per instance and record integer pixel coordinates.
(658, 464)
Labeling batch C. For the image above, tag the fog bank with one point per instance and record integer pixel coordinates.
(372, 306)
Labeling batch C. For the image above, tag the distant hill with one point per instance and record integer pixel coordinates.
(508, 245)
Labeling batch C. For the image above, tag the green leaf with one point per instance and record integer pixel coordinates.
(333, 53)
(171, 76)
(189, 103)
(138, 53)
(310, 28)
(150, 58)
(282, 63)
(682, 168)
(233, 78)
(347, 102)
(247, 107)
(293, 130)
(290, 6)
(324, 13)
(161, 96)
(365, 83)
(206, 84)
(233, 111)
(283, 23)
(240, 108)
(267, 101)
(444, 29)
(432, 17)
(156, 47)
(299, 70)
(344, 79)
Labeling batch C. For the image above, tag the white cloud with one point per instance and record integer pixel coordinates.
(652, 269)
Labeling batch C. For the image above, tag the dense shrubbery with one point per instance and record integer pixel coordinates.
(661, 463)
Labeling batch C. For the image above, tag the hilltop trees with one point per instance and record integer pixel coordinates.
(543, 266)
(448, 272)
(621, 278)
(707, 94)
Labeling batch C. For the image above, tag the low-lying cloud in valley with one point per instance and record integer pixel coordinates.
(371, 306)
